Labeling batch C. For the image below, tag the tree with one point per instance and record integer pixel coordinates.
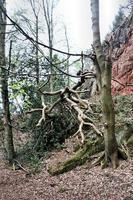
(68, 49)
(4, 85)
(36, 14)
(103, 65)
(103, 75)
(48, 9)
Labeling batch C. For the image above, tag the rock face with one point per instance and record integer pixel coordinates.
(121, 41)
(122, 73)
(119, 46)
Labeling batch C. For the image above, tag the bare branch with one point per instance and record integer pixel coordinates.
(43, 111)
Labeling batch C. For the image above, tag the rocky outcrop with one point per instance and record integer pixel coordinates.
(122, 73)
(119, 46)
(121, 42)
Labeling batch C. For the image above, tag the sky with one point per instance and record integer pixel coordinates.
(76, 14)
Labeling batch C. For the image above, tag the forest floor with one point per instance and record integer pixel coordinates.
(82, 183)
(86, 182)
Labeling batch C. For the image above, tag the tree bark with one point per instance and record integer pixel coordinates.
(37, 58)
(111, 149)
(8, 136)
(48, 7)
(36, 14)
(68, 50)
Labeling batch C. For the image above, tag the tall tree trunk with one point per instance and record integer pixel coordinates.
(48, 7)
(51, 66)
(37, 60)
(35, 10)
(68, 50)
(108, 116)
(4, 86)
(111, 149)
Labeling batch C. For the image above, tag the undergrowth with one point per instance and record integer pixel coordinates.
(62, 123)
(50, 135)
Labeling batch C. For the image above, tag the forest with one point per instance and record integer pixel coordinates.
(66, 125)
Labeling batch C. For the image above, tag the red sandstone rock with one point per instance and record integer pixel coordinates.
(122, 72)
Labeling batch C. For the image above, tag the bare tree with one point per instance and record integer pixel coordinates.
(48, 8)
(36, 14)
(4, 85)
(68, 49)
(103, 66)
(47, 11)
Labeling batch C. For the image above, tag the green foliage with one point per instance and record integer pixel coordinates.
(25, 95)
(17, 89)
(51, 134)
(30, 157)
(128, 198)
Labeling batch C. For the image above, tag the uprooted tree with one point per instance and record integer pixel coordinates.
(105, 140)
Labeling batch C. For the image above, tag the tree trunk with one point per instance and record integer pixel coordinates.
(37, 60)
(36, 14)
(108, 117)
(68, 50)
(111, 149)
(48, 7)
(4, 87)
(51, 66)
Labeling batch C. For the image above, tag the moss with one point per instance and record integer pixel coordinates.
(1, 125)
(130, 141)
(90, 148)
(62, 189)
(128, 198)
(123, 110)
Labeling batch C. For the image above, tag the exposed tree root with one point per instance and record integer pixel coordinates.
(72, 98)
(98, 159)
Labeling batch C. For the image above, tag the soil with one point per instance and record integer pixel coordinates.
(82, 183)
